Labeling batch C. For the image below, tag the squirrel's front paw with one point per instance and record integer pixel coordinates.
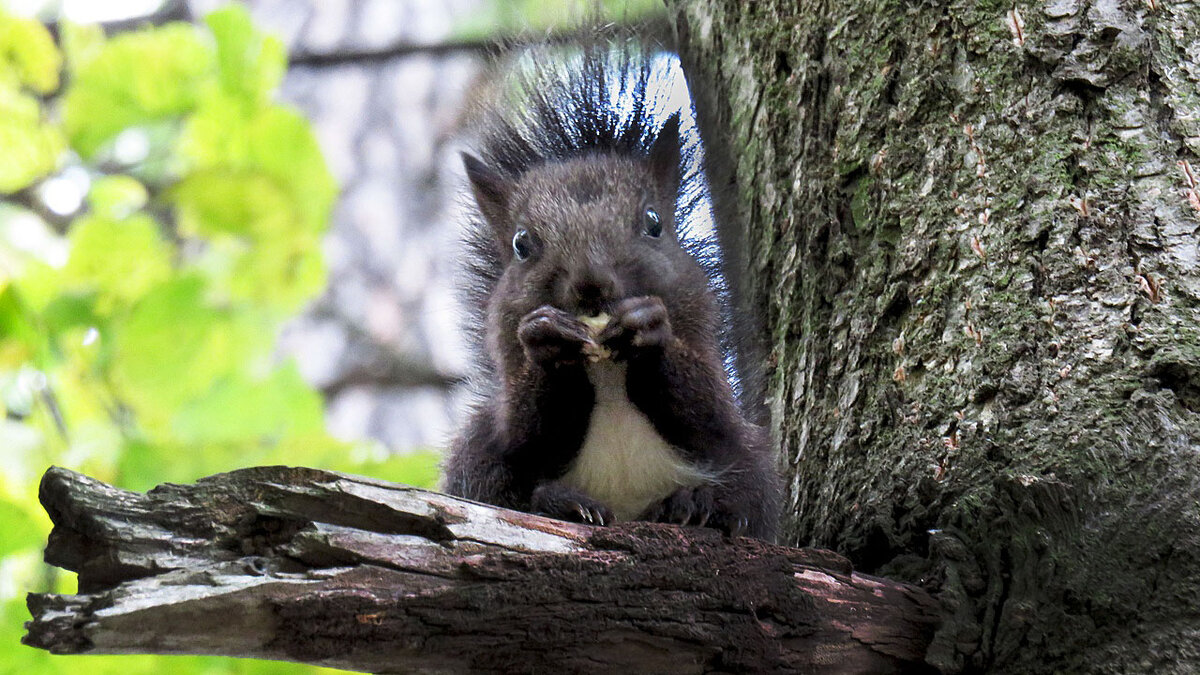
(637, 323)
(559, 501)
(552, 336)
(701, 507)
(685, 506)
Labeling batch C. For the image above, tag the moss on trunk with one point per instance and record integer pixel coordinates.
(971, 229)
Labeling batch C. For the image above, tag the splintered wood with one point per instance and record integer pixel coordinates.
(335, 570)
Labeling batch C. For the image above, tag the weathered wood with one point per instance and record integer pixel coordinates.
(336, 570)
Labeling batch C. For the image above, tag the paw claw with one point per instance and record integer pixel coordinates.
(740, 526)
(565, 503)
(685, 506)
(685, 516)
(701, 506)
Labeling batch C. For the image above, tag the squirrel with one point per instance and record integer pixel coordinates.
(605, 396)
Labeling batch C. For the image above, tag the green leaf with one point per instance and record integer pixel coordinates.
(419, 469)
(252, 410)
(274, 142)
(119, 260)
(117, 197)
(28, 54)
(20, 530)
(250, 64)
(260, 248)
(19, 337)
(30, 146)
(69, 311)
(81, 43)
(144, 464)
(174, 347)
(243, 203)
(282, 143)
(283, 274)
(134, 79)
(260, 178)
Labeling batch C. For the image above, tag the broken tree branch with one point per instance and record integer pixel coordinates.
(336, 570)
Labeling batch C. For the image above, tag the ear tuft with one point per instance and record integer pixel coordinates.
(664, 155)
(490, 188)
(492, 192)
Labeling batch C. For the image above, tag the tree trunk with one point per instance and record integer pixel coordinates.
(973, 235)
(324, 568)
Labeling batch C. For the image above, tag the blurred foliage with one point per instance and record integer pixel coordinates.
(138, 320)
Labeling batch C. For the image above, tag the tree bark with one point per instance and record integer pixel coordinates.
(971, 229)
(329, 569)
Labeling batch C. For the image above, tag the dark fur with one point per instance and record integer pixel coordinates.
(578, 176)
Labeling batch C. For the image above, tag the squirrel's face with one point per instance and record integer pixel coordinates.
(584, 234)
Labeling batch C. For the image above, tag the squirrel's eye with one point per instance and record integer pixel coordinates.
(522, 245)
(651, 223)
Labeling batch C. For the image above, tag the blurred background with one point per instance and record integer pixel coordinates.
(227, 238)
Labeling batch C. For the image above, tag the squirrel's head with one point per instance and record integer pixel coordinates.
(583, 233)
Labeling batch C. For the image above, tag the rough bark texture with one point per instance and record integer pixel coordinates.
(973, 228)
(323, 568)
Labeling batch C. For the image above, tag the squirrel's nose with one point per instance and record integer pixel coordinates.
(593, 292)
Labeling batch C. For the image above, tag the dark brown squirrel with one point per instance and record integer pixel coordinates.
(605, 396)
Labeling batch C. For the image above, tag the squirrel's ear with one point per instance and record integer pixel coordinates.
(490, 188)
(665, 154)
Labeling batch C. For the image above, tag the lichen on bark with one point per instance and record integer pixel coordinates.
(971, 229)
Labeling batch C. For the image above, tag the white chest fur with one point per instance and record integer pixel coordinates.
(624, 462)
